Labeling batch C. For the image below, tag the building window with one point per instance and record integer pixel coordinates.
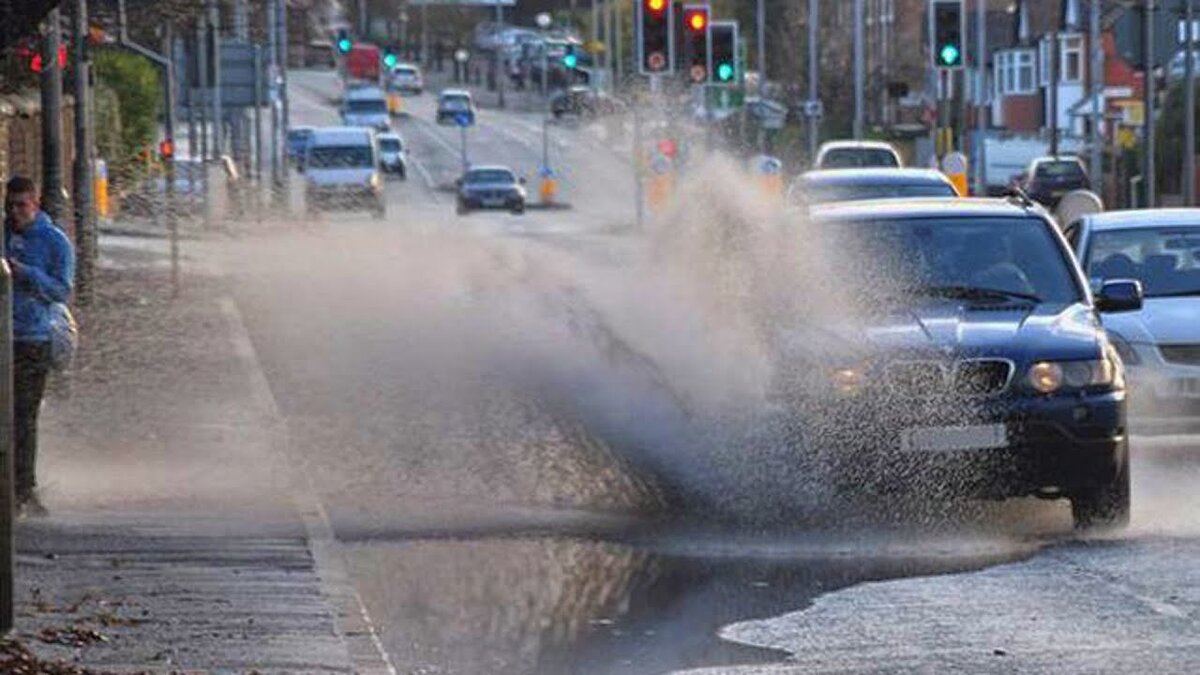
(1072, 59)
(1014, 72)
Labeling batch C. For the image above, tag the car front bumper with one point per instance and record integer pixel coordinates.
(1058, 444)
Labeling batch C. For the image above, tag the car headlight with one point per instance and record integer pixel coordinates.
(1049, 377)
(847, 380)
(373, 181)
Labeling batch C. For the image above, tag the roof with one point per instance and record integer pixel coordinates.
(1138, 218)
(491, 167)
(389, 134)
(916, 208)
(837, 145)
(364, 93)
(874, 176)
(455, 92)
(336, 135)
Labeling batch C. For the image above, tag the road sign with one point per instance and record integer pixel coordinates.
(814, 108)
(463, 119)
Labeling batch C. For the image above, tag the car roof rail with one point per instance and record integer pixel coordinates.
(1019, 196)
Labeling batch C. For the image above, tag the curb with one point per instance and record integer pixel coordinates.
(352, 620)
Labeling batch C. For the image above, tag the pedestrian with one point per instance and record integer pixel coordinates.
(42, 261)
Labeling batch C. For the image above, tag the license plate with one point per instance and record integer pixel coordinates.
(946, 439)
(493, 202)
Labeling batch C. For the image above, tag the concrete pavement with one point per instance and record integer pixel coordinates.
(181, 535)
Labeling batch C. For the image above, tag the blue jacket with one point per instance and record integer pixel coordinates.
(49, 273)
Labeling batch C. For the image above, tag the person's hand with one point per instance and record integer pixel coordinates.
(16, 266)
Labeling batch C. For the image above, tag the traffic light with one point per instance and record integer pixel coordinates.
(655, 39)
(946, 31)
(723, 50)
(570, 59)
(166, 148)
(343, 41)
(390, 59)
(695, 41)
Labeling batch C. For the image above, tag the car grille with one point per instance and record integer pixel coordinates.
(924, 379)
(1184, 354)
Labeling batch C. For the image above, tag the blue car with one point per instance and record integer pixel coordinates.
(962, 352)
(297, 142)
(1160, 343)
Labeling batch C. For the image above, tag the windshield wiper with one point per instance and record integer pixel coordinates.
(975, 293)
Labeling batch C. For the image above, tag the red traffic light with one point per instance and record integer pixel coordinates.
(166, 148)
(656, 6)
(35, 62)
(696, 19)
(667, 148)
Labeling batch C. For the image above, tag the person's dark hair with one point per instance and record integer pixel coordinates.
(20, 185)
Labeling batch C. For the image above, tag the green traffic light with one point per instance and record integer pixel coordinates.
(950, 55)
(570, 60)
(344, 45)
(389, 60)
(725, 72)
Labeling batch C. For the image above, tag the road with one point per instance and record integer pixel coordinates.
(494, 410)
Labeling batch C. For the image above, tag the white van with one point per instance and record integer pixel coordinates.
(341, 169)
(366, 107)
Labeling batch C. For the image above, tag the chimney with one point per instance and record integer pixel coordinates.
(1070, 15)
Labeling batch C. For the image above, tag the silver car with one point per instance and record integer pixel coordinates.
(1160, 343)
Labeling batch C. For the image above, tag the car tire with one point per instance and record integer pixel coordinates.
(462, 209)
(518, 208)
(402, 173)
(1103, 507)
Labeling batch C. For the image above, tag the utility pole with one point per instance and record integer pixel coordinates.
(859, 84)
(981, 109)
(273, 69)
(7, 615)
(52, 169)
(1148, 169)
(202, 46)
(1053, 93)
(258, 144)
(761, 27)
(1097, 167)
(85, 224)
(214, 23)
(362, 19)
(619, 57)
(285, 107)
(169, 160)
(501, 61)
(814, 21)
(1189, 115)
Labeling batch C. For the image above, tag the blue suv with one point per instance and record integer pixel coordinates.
(963, 352)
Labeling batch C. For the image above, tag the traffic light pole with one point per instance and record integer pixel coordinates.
(859, 84)
(1148, 168)
(814, 20)
(85, 223)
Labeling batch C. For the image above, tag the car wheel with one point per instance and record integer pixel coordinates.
(402, 172)
(462, 209)
(1103, 507)
(518, 208)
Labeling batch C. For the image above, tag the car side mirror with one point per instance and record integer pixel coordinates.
(1119, 295)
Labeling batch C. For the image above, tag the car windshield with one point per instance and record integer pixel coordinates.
(456, 103)
(977, 259)
(367, 106)
(1165, 259)
(1059, 170)
(390, 144)
(298, 136)
(819, 194)
(405, 72)
(490, 176)
(340, 157)
(850, 158)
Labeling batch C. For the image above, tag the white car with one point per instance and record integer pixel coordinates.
(1159, 343)
(393, 154)
(407, 79)
(341, 169)
(857, 154)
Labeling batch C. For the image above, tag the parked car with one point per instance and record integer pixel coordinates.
(1160, 343)
(453, 103)
(843, 185)
(857, 154)
(1049, 178)
(977, 365)
(393, 155)
(490, 187)
(342, 171)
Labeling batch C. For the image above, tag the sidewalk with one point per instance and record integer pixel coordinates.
(180, 538)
